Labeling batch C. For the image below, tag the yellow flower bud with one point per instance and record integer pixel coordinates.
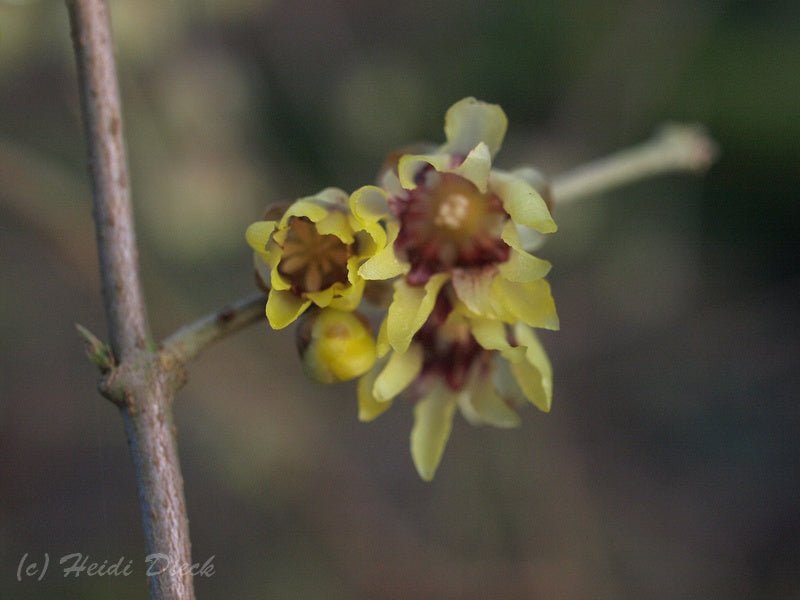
(335, 345)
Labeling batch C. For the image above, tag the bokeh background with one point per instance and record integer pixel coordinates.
(670, 464)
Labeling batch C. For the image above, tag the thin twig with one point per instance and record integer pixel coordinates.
(186, 343)
(676, 148)
(140, 384)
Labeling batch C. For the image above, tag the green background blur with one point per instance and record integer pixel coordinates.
(670, 464)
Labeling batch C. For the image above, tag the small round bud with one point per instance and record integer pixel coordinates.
(335, 345)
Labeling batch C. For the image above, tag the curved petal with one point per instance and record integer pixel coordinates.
(530, 382)
(535, 374)
(258, 234)
(482, 405)
(310, 208)
(321, 298)
(469, 122)
(433, 420)
(520, 265)
(410, 308)
(528, 301)
(473, 287)
(522, 202)
(277, 281)
(370, 203)
(491, 335)
(505, 385)
(410, 164)
(385, 264)
(476, 167)
(349, 297)
(369, 408)
(333, 197)
(284, 307)
(400, 371)
(336, 223)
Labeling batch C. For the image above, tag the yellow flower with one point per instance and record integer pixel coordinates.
(457, 359)
(312, 256)
(451, 219)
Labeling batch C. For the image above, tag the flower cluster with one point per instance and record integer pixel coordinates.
(450, 232)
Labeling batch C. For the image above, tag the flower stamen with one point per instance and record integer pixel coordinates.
(312, 261)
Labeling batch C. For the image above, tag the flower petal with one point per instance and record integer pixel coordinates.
(530, 382)
(399, 372)
(369, 408)
(469, 122)
(348, 297)
(258, 234)
(410, 165)
(336, 223)
(522, 202)
(284, 307)
(410, 308)
(476, 167)
(473, 287)
(433, 420)
(321, 298)
(520, 265)
(491, 335)
(385, 264)
(370, 203)
(535, 374)
(482, 405)
(528, 301)
(310, 208)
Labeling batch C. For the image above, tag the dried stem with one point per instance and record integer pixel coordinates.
(140, 383)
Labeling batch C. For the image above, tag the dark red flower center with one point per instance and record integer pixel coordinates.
(446, 222)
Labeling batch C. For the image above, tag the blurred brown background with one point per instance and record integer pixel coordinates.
(669, 466)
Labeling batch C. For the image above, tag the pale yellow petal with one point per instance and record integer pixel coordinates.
(433, 420)
(336, 223)
(348, 297)
(491, 334)
(529, 302)
(399, 372)
(522, 202)
(505, 384)
(410, 308)
(370, 203)
(476, 167)
(277, 281)
(369, 408)
(520, 265)
(535, 374)
(258, 234)
(469, 122)
(535, 178)
(410, 165)
(332, 197)
(321, 298)
(473, 287)
(310, 208)
(385, 264)
(284, 307)
(480, 404)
